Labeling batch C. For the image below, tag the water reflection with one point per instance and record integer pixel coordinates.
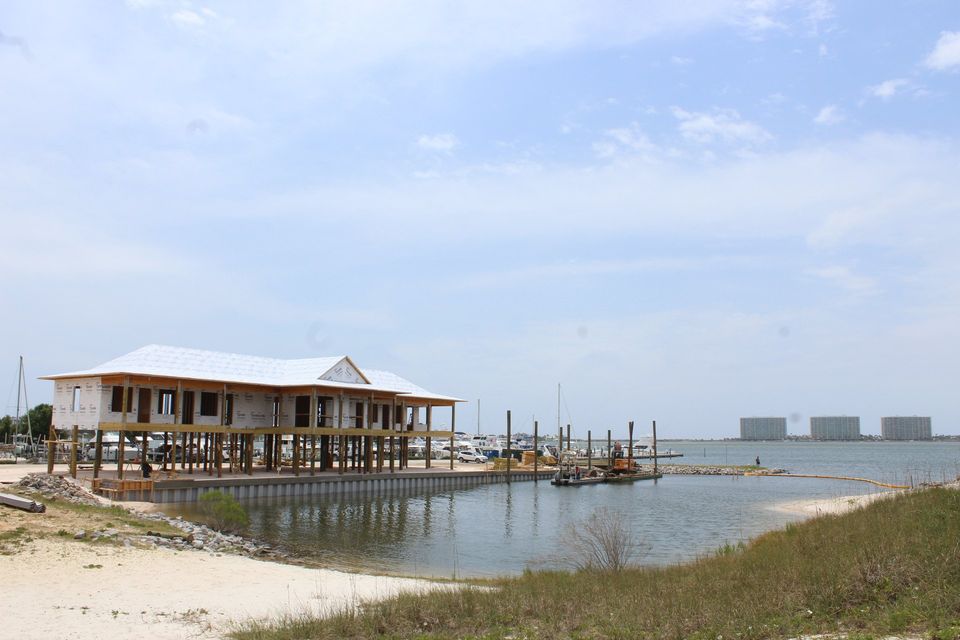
(501, 529)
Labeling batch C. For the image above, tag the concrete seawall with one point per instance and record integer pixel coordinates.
(174, 491)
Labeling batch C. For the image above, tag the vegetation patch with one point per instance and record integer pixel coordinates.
(892, 567)
(222, 512)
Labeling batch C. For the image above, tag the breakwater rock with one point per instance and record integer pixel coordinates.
(711, 470)
(194, 535)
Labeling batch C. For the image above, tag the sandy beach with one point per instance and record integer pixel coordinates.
(58, 587)
(830, 506)
(71, 589)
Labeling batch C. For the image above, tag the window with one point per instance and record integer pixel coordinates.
(116, 400)
(374, 413)
(228, 409)
(276, 412)
(165, 402)
(359, 415)
(76, 399)
(208, 403)
(301, 416)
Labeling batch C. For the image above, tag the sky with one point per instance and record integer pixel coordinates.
(687, 212)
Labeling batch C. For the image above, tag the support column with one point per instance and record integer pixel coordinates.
(190, 453)
(74, 441)
(453, 428)
(536, 451)
(98, 453)
(143, 448)
(509, 450)
(296, 454)
(630, 446)
(342, 439)
(314, 408)
(51, 447)
(121, 442)
(589, 450)
(429, 439)
(166, 448)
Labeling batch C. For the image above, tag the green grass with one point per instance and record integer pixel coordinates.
(892, 567)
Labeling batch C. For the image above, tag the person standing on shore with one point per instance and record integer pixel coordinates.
(758, 461)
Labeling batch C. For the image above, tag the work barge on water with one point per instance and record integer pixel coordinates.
(308, 418)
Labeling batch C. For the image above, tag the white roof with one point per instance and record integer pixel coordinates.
(197, 364)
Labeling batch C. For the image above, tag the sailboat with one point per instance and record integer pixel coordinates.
(23, 443)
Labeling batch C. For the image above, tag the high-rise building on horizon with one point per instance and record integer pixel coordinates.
(767, 428)
(906, 428)
(835, 427)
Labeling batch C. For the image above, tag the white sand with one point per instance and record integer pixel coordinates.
(162, 594)
(833, 506)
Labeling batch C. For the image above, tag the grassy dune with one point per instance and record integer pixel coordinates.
(891, 567)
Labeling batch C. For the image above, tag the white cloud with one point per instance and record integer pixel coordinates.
(630, 138)
(722, 125)
(829, 115)
(444, 142)
(188, 18)
(946, 53)
(843, 277)
(681, 61)
(888, 88)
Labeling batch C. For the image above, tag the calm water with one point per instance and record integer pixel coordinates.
(500, 529)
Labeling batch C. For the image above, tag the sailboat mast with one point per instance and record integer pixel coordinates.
(478, 416)
(559, 428)
(19, 379)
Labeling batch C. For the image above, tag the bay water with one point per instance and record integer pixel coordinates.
(503, 529)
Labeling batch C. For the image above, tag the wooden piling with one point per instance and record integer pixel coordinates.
(654, 447)
(536, 452)
(568, 437)
(98, 454)
(121, 450)
(509, 450)
(453, 428)
(589, 450)
(609, 449)
(630, 445)
(74, 442)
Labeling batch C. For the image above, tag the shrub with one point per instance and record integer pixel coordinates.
(222, 511)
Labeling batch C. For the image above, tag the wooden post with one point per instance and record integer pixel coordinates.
(453, 428)
(342, 439)
(568, 437)
(143, 448)
(121, 453)
(166, 442)
(509, 450)
(250, 454)
(609, 449)
(98, 454)
(190, 453)
(121, 443)
(176, 420)
(74, 441)
(314, 409)
(630, 446)
(296, 454)
(536, 452)
(654, 447)
(429, 439)
(404, 442)
(589, 450)
(218, 439)
(183, 450)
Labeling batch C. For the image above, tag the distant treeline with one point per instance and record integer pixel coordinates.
(40, 417)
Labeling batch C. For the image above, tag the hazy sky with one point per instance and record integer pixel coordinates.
(688, 211)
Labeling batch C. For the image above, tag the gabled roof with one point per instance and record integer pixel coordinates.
(197, 364)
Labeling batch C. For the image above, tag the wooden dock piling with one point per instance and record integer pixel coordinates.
(509, 450)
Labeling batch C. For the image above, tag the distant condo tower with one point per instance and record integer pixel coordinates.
(835, 428)
(763, 428)
(906, 428)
